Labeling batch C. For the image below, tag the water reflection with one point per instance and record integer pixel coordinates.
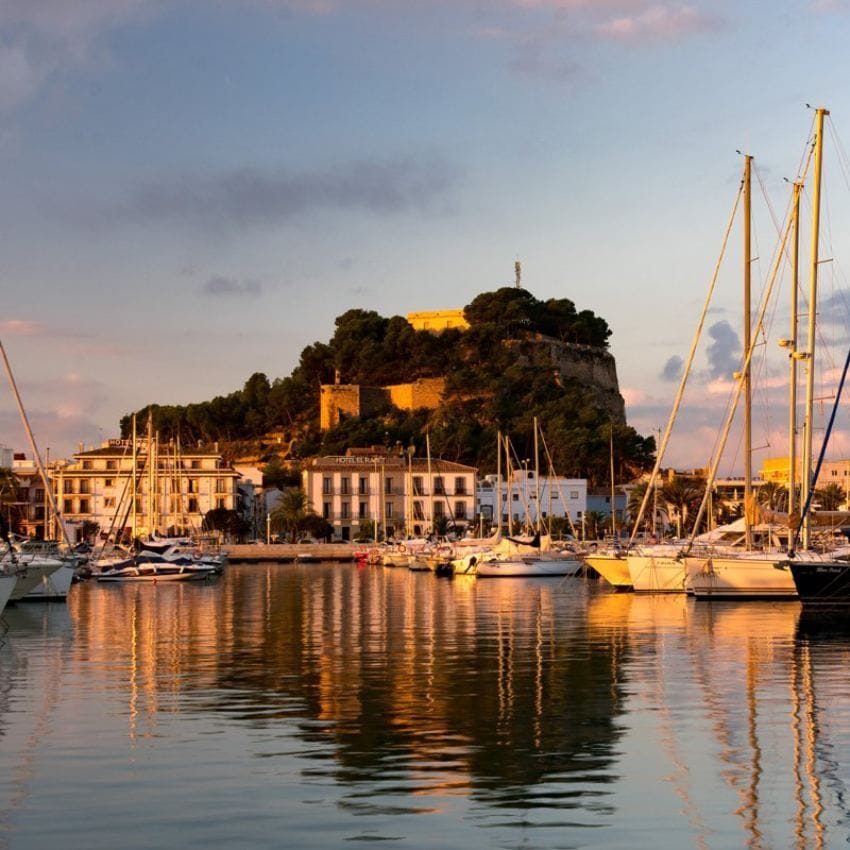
(483, 709)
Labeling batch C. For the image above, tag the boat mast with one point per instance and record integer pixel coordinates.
(430, 482)
(498, 510)
(36, 456)
(748, 401)
(792, 354)
(807, 483)
(536, 480)
(135, 483)
(613, 488)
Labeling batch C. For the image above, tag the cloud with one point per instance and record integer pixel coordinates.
(672, 370)
(218, 285)
(657, 23)
(22, 327)
(725, 351)
(41, 39)
(251, 197)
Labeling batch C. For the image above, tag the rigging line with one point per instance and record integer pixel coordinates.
(738, 390)
(843, 160)
(659, 454)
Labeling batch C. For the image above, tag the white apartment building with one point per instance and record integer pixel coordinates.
(174, 489)
(389, 493)
(525, 498)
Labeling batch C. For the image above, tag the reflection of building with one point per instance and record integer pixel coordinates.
(525, 499)
(374, 489)
(175, 489)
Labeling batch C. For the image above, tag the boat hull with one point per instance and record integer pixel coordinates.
(7, 585)
(613, 569)
(32, 576)
(821, 585)
(739, 578)
(53, 587)
(525, 568)
(657, 573)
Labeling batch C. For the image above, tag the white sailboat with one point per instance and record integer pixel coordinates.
(753, 574)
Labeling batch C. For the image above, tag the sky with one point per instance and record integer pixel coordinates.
(193, 191)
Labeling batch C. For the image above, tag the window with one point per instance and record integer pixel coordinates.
(439, 509)
(573, 494)
(345, 484)
(460, 510)
(326, 486)
(39, 495)
(388, 510)
(346, 510)
(66, 486)
(460, 486)
(84, 485)
(67, 506)
(219, 485)
(439, 487)
(516, 497)
(192, 505)
(196, 464)
(194, 485)
(110, 464)
(326, 510)
(87, 464)
(108, 482)
(388, 486)
(418, 512)
(363, 512)
(221, 502)
(109, 502)
(363, 485)
(417, 486)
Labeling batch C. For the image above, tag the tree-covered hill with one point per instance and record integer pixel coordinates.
(498, 375)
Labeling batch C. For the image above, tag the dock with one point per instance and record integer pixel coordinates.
(248, 553)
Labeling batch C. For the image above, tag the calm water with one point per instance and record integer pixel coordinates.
(317, 705)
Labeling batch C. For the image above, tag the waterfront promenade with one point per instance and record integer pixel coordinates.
(252, 553)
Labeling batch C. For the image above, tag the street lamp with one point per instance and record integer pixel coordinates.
(268, 528)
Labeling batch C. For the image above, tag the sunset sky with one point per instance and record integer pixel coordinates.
(193, 191)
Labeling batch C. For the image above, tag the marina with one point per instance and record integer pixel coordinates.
(417, 711)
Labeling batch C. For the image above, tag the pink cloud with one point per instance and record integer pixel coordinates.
(22, 327)
(657, 23)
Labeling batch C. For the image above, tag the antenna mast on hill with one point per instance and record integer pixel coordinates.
(518, 273)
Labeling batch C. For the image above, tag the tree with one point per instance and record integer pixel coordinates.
(290, 513)
(830, 497)
(9, 497)
(594, 523)
(682, 496)
(773, 496)
(227, 521)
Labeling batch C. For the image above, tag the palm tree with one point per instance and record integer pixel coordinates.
(594, 522)
(830, 497)
(773, 496)
(290, 512)
(682, 495)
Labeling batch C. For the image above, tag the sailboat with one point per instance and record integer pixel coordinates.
(752, 574)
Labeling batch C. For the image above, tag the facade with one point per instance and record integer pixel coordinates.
(599, 500)
(525, 499)
(436, 321)
(376, 492)
(174, 490)
(831, 472)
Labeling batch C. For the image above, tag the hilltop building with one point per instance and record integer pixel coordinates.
(437, 321)
(369, 492)
(338, 401)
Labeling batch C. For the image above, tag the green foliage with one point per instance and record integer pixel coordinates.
(227, 521)
(830, 497)
(497, 379)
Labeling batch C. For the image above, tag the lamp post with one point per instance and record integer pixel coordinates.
(268, 527)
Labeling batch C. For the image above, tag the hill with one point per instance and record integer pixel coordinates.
(520, 358)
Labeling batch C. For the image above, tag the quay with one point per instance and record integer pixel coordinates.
(242, 553)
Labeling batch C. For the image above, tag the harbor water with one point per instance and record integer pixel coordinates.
(328, 705)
